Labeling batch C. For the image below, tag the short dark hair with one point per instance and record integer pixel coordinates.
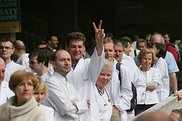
(49, 36)
(162, 48)
(75, 36)
(125, 41)
(8, 41)
(44, 55)
(140, 41)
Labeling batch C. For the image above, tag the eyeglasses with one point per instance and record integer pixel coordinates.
(5, 47)
(32, 62)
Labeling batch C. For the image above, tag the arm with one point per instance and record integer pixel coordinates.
(174, 84)
(98, 57)
(61, 101)
(173, 80)
(126, 94)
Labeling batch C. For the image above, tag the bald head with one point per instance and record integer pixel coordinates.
(61, 61)
(2, 69)
(20, 49)
(19, 45)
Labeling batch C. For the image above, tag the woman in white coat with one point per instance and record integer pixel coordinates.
(148, 81)
(163, 89)
(102, 95)
(40, 94)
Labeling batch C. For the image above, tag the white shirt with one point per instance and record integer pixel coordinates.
(143, 96)
(83, 78)
(132, 52)
(104, 103)
(48, 111)
(11, 68)
(128, 58)
(121, 95)
(129, 63)
(23, 60)
(46, 75)
(5, 92)
(59, 98)
(164, 82)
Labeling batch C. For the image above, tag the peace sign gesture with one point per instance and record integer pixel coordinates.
(99, 37)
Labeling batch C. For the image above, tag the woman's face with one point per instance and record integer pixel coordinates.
(39, 96)
(104, 77)
(147, 60)
(24, 91)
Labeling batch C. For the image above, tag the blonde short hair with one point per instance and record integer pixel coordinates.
(145, 51)
(41, 86)
(19, 76)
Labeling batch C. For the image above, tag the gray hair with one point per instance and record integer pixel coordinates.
(157, 34)
(108, 64)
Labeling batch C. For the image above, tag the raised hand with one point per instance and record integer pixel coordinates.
(99, 37)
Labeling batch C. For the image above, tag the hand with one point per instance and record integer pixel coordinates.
(74, 104)
(99, 37)
(116, 110)
(178, 95)
(88, 102)
(99, 33)
(147, 89)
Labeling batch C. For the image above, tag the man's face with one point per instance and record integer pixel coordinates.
(118, 53)
(127, 49)
(62, 64)
(76, 49)
(53, 42)
(141, 45)
(33, 64)
(109, 51)
(6, 50)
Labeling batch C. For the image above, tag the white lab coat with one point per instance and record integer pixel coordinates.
(104, 103)
(129, 63)
(23, 60)
(163, 89)
(83, 78)
(48, 111)
(121, 95)
(59, 98)
(11, 68)
(143, 96)
(5, 92)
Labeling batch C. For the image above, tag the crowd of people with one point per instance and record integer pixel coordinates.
(67, 84)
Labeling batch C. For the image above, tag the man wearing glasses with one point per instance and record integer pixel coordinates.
(39, 62)
(6, 50)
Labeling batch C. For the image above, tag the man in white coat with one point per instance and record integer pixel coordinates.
(5, 92)
(19, 54)
(120, 89)
(40, 62)
(62, 96)
(6, 50)
(84, 71)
